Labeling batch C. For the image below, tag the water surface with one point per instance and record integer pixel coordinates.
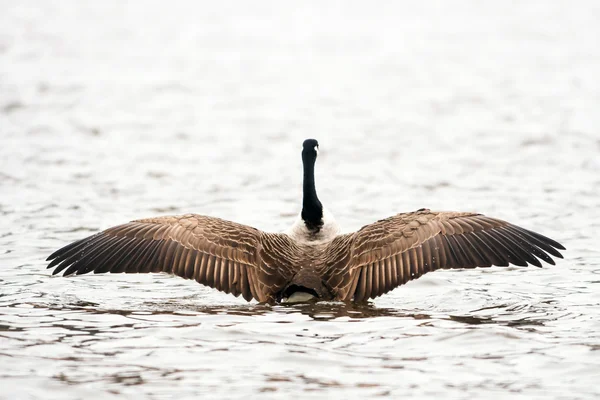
(112, 111)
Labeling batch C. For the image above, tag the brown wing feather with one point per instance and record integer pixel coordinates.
(393, 251)
(217, 253)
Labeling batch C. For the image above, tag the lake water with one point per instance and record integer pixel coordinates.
(112, 111)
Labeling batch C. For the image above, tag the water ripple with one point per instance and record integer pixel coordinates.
(106, 118)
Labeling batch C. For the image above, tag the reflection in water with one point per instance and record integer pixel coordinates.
(501, 314)
(320, 311)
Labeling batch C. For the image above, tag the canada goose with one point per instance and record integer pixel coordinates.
(311, 260)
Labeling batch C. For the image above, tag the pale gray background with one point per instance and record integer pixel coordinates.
(111, 111)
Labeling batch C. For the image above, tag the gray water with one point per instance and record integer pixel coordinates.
(111, 111)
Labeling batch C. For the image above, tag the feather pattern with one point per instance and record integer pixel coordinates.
(412, 244)
(241, 260)
(214, 252)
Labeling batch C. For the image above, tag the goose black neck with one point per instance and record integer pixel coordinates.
(312, 209)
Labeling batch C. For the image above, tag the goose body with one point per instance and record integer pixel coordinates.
(312, 259)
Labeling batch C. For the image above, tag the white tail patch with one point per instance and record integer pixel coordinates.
(298, 297)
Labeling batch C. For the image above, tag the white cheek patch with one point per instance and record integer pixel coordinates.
(317, 150)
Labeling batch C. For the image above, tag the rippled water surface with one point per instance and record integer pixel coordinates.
(111, 111)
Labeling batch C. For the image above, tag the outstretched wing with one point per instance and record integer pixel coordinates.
(217, 253)
(390, 252)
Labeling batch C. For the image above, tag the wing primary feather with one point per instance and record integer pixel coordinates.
(72, 268)
(97, 257)
(520, 247)
(461, 255)
(254, 286)
(224, 278)
(71, 248)
(190, 262)
(79, 252)
(138, 257)
(127, 257)
(235, 280)
(381, 274)
(496, 256)
(197, 264)
(89, 253)
(441, 248)
(521, 256)
(371, 283)
(505, 248)
(540, 238)
(161, 255)
(407, 267)
(177, 255)
(382, 278)
(201, 276)
(485, 251)
(426, 250)
(435, 254)
(349, 295)
(361, 288)
(157, 260)
(375, 280)
(65, 263)
(245, 286)
(115, 257)
(387, 282)
(168, 259)
(420, 261)
(179, 265)
(452, 258)
(470, 254)
(414, 263)
(478, 251)
(368, 277)
(56, 261)
(525, 234)
(72, 254)
(394, 271)
(400, 269)
(217, 274)
(145, 262)
(210, 271)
